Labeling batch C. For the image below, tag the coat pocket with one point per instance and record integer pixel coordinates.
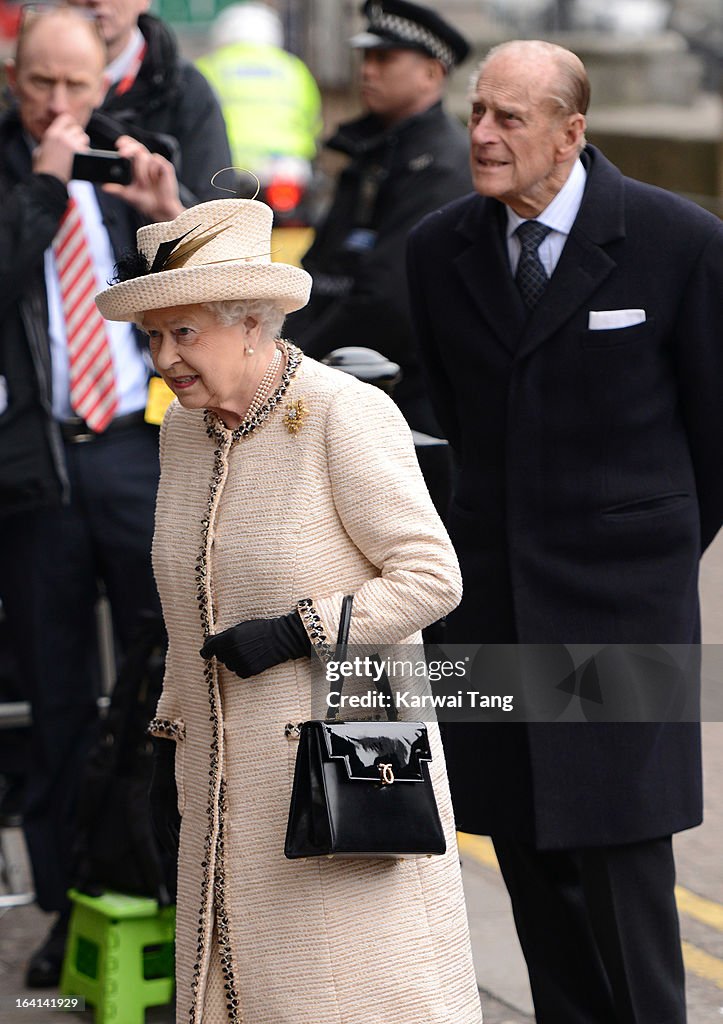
(614, 336)
(173, 729)
(643, 507)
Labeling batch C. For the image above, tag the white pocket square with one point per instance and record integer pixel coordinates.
(607, 319)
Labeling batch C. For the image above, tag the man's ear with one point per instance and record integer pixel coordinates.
(436, 72)
(573, 130)
(11, 74)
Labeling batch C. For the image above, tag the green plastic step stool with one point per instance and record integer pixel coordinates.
(119, 955)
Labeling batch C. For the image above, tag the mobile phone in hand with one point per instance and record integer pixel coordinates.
(101, 166)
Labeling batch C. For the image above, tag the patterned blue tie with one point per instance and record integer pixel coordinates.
(531, 278)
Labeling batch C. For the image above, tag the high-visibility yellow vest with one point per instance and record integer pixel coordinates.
(270, 102)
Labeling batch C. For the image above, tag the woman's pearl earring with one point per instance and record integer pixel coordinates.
(249, 351)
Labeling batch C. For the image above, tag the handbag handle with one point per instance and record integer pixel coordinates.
(342, 639)
(340, 654)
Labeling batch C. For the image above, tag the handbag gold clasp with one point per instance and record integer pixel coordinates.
(386, 773)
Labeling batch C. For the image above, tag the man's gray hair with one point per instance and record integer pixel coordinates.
(268, 313)
(572, 88)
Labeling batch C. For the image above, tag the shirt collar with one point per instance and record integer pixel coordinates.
(119, 68)
(560, 214)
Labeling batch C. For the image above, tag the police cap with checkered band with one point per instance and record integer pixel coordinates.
(395, 24)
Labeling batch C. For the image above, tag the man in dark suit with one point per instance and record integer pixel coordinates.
(161, 98)
(79, 466)
(576, 367)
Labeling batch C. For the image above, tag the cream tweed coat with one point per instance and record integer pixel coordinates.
(245, 528)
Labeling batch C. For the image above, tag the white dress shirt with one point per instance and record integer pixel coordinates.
(559, 216)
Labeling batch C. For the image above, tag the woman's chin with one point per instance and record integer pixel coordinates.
(188, 401)
(191, 395)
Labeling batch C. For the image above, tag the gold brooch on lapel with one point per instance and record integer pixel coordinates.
(296, 413)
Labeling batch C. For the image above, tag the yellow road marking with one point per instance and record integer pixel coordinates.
(708, 912)
(702, 964)
(479, 848)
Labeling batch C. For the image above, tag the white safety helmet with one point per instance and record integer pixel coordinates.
(247, 23)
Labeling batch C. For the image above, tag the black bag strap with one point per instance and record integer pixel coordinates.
(340, 654)
(342, 639)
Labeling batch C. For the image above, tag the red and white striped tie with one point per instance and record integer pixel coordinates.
(92, 384)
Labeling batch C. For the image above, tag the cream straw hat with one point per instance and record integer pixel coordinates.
(217, 250)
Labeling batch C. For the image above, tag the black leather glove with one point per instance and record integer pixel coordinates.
(250, 647)
(164, 799)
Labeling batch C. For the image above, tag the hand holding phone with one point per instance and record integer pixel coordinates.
(102, 166)
(154, 189)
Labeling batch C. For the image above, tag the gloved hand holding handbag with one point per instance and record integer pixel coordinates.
(251, 647)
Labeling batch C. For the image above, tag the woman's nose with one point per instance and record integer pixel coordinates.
(165, 353)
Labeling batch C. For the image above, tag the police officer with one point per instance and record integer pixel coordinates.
(270, 101)
(408, 157)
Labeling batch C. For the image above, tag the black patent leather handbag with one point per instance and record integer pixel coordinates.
(362, 789)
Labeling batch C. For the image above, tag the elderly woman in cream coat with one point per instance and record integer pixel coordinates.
(285, 485)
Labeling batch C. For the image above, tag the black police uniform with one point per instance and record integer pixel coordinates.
(395, 176)
(359, 296)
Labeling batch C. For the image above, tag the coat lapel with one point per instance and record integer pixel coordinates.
(485, 269)
(584, 263)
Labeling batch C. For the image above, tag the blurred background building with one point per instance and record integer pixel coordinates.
(656, 68)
